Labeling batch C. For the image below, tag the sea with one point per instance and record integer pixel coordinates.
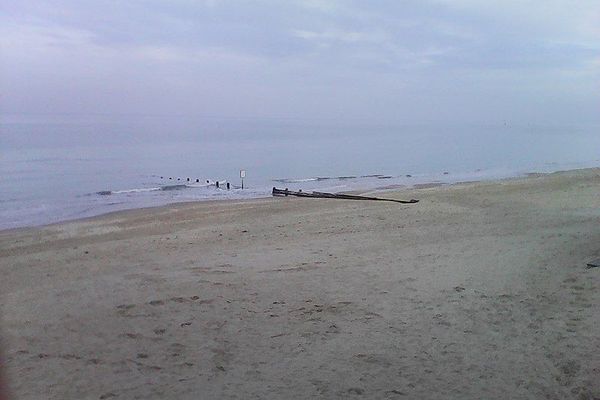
(62, 167)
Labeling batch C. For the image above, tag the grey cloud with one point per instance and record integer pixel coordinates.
(380, 60)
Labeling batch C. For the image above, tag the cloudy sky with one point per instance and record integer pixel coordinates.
(393, 61)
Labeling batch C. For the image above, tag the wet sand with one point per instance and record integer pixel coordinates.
(479, 291)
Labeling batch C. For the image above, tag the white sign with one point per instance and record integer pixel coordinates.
(242, 173)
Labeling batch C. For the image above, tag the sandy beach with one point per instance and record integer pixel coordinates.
(479, 291)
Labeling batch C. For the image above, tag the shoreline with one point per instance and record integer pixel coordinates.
(125, 213)
(381, 190)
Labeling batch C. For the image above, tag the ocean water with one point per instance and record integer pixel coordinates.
(60, 168)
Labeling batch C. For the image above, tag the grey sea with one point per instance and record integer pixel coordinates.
(56, 168)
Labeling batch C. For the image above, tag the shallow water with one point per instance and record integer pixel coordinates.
(55, 169)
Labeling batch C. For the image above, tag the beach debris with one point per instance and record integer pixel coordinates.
(594, 263)
(322, 195)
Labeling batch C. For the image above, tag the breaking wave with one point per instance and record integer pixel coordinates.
(324, 178)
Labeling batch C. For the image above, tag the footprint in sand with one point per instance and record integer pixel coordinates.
(131, 335)
(356, 391)
(123, 309)
(179, 299)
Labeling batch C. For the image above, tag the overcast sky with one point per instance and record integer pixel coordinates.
(524, 61)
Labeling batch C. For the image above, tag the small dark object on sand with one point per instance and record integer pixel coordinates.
(594, 264)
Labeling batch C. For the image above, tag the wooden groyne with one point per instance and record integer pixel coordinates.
(323, 195)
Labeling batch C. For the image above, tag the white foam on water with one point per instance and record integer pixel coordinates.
(139, 190)
(296, 180)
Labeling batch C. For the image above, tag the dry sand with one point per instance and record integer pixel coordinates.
(480, 291)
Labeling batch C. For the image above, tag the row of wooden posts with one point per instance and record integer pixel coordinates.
(227, 184)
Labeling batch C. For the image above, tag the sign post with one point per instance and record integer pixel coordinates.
(242, 175)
